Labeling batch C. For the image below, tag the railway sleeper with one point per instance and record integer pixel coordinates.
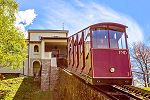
(134, 91)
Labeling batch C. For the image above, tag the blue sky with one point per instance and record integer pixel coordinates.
(78, 14)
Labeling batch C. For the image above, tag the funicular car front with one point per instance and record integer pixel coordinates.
(110, 56)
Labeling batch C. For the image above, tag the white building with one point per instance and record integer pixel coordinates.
(44, 46)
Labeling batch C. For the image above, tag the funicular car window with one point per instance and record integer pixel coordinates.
(87, 42)
(87, 35)
(117, 39)
(69, 48)
(100, 39)
(79, 42)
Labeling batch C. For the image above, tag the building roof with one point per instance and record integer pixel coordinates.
(47, 31)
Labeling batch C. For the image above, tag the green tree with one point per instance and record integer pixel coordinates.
(12, 41)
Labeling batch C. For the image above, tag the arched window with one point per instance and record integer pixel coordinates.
(36, 48)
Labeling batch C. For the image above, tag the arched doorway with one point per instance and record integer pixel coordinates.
(36, 68)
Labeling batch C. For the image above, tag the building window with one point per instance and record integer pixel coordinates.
(36, 48)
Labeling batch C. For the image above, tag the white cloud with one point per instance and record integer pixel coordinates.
(103, 13)
(89, 13)
(79, 3)
(24, 19)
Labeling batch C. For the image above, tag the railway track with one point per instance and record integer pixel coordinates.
(125, 92)
(134, 92)
(115, 92)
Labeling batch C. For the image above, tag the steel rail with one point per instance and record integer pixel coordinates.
(135, 92)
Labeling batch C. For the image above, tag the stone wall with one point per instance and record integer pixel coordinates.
(45, 75)
(53, 77)
(68, 87)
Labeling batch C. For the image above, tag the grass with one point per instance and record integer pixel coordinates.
(22, 88)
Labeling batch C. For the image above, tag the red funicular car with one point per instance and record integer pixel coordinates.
(99, 54)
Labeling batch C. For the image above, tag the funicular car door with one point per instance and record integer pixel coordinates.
(100, 53)
(119, 55)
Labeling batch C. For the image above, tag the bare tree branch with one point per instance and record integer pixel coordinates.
(140, 55)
